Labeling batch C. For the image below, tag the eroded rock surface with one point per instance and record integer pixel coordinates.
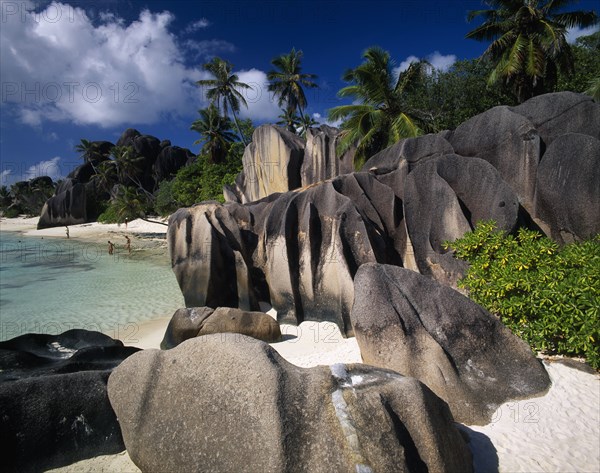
(54, 407)
(193, 407)
(197, 321)
(408, 323)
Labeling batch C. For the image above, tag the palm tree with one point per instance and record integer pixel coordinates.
(529, 42)
(307, 122)
(106, 176)
(128, 166)
(289, 119)
(287, 81)
(224, 89)
(215, 132)
(378, 116)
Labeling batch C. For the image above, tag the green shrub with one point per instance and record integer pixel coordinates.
(547, 295)
(203, 180)
(165, 204)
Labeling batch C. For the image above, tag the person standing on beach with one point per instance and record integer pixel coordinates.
(111, 247)
(128, 245)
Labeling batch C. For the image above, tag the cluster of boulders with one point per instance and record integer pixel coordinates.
(278, 160)
(364, 250)
(76, 199)
(54, 407)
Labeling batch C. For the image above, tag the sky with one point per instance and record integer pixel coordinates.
(91, 69)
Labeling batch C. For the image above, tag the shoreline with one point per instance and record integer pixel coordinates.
(148, 240)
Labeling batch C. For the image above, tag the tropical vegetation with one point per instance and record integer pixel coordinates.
(287, 82)
(224, 89)
(529, 42)
(547, 295)
(380, 114)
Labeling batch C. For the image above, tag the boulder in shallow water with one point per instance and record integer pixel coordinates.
(54, 408)
(408, 323)
(220, 404)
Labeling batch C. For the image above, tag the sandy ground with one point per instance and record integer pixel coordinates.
(558, 432)
(144, 235)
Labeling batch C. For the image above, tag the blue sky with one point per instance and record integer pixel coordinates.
(90, 69)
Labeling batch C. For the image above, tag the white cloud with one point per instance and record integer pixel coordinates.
(208, 48)
(404, 65)
(262, 106)
(5, 176)
(49, 168)
(439, 62)
(197, 25)
(576, 32)
(324, 121)
(57, 65)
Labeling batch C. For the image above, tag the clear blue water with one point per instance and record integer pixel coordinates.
(49, 286)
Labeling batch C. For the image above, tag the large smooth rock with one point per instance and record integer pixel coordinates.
(67, 207)
(298, 250)
(568, 188)
(509, 142)
(197, 321)
(54, 407)
(408, 323)
(443, 199)
(170, 160)
(209, 258)
(321, 158)
(272, 163)
(555, 114)
(235, 405)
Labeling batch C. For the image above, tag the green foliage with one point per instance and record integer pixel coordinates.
(215, 133)
(547, 295)
(586, 54)
(27, 197)
(203, 180)
(224, 89)
(129, 204)
(165, 204)
(528, 42)
(287, 81)
(445, 99)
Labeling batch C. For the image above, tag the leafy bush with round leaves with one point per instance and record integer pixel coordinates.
(547, 295)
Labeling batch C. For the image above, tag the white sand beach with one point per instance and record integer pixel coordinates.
(558, 432)
(93, 231)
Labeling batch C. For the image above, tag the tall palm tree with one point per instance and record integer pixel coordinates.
(378, 116)
(224, 89)
(106, 176)
(529, 42)
(215, 132)
(129, 166)
(288, 80)
(307, 122)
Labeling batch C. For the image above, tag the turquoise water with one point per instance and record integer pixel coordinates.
(49, 286)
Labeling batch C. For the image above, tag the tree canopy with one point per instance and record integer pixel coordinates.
(528, 42)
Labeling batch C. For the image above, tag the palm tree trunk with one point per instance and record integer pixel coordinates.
(237, 125)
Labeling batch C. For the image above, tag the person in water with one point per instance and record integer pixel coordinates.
(111, 247)
(67, 230)
(128, 244)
